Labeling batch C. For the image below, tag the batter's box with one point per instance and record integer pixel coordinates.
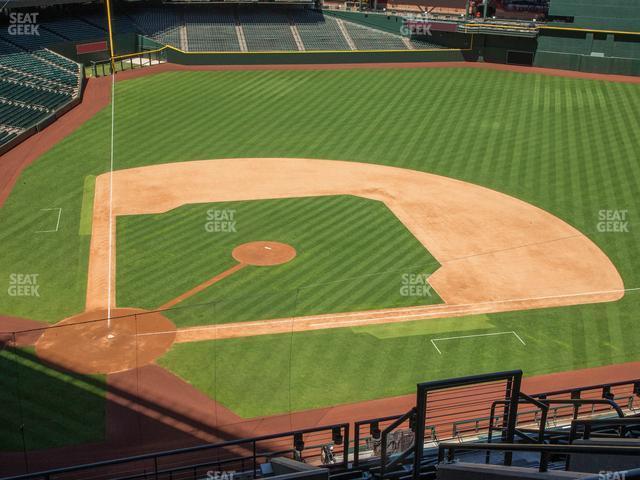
(49, 218)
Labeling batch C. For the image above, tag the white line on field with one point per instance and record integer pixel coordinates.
(57, 222)
(434, 340)
(109, 261)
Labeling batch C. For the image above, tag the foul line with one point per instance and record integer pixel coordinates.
(113, 117)
(57, 223)
(434, 340)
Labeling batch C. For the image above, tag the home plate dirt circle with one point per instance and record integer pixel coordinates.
(89, 344)
(264, 254)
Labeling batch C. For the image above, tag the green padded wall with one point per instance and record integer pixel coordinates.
(593, 51)
(600, 14)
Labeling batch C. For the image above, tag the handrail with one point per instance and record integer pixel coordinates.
(635, 382)
(590, 423)
(199, 448)
(545, 450)
(356, 434)
(411, 414)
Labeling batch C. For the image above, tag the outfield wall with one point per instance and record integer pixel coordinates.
(289, 58)
(589, 51)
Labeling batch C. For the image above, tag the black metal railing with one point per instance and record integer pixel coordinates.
(585, 429)
(447, 451)
(310, 445)
(126, 62)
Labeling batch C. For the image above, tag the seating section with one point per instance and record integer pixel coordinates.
(20, 116)
(319, 32)
(74, 29)
(33, 42)
(211, 30)
(33, 85)
(200, 28)
(120, 22)
(162, 24)
(6, 135)
(25, 93)
(267, 30)
(366, 38)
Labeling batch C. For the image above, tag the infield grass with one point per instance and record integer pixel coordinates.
(352, 254)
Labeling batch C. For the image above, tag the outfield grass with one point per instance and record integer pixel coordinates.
(351, 256)
(568, 146)
(43, 407)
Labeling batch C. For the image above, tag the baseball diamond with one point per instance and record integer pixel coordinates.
(381, 240)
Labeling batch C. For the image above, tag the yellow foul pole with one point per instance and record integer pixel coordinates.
(111, 49)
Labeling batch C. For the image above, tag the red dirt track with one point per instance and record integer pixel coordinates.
(141, 415)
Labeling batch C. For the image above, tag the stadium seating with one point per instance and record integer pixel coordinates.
(33, 42)
(13, 90)
(214, 28)
(267, 30)
(33, 85)
(160, 24)
(211, 30)
(366, 38)
(6, 135)
(20, 116)
(120, 22)
(74, 29)
(319, 32)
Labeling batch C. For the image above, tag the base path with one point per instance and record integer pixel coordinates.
(496, 252)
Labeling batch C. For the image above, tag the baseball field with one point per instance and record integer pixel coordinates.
(284, 240)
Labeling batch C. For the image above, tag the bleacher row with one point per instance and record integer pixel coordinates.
(34, 83)
(211, 28)
(263, 29)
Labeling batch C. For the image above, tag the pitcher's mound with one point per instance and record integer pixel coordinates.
(263, 254)
(87, 343)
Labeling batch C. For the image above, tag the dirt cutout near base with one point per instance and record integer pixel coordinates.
(89, 343)
(497, 253)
